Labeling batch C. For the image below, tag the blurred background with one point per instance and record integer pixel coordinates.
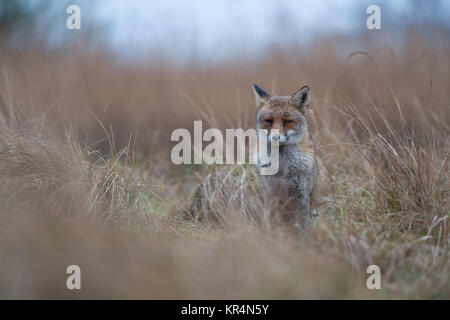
(215, 31)
(147, 67)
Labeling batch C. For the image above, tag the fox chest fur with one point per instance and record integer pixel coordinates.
(297, 173)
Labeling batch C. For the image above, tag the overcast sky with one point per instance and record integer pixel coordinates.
(220, 28)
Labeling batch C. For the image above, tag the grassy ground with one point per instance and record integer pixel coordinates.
(86, 178)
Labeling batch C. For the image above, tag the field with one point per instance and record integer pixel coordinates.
(86, 176)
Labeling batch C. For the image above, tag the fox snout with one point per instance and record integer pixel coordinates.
(276, 137)
(277, 132)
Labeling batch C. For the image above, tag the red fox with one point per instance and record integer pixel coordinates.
(296, 183)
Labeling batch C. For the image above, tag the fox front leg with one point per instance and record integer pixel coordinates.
(304, 216)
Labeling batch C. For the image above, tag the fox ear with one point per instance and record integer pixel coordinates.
(260, 95)
(300, 99)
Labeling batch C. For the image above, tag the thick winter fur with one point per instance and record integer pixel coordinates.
(296, 183)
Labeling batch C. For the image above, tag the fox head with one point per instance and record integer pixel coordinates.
(282, 116)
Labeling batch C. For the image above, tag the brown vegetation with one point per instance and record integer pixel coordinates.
(86, 177)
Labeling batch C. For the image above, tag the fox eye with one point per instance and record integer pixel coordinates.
(269, 121)
(288, 121)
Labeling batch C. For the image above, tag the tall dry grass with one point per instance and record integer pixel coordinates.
(86, 177)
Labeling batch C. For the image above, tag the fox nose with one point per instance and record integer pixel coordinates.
(277, 138)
